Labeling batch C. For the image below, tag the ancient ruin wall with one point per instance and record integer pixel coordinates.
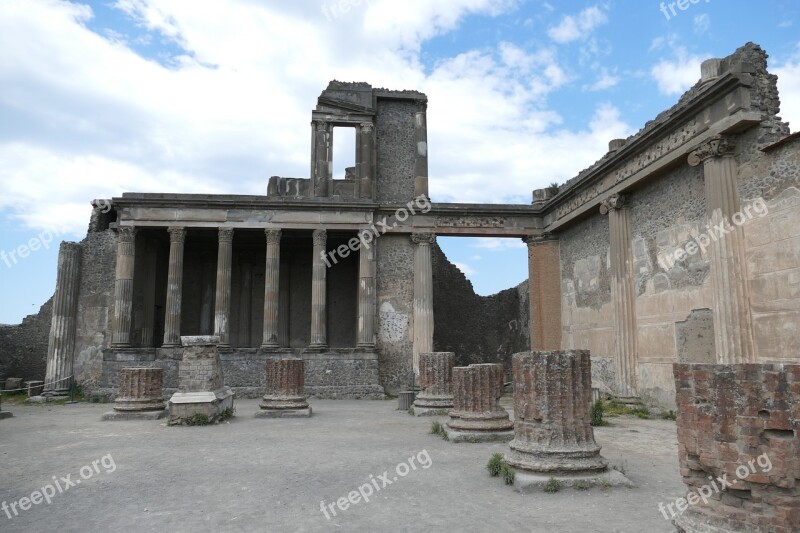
(395, 148)
(23, 347)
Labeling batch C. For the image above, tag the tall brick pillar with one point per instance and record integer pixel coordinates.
(544, 287)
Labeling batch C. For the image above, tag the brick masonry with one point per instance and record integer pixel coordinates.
(728, 417)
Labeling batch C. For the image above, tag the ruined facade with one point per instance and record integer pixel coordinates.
(680, 245)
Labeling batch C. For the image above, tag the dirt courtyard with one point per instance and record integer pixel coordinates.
(274, 475)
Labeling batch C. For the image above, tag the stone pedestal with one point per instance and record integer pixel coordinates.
(3, 414)
(201, 383)
(436, 384)
(35, 388)
(739, 423)
(285, 397)
(552, 434)
(140, 395)
(477, 415)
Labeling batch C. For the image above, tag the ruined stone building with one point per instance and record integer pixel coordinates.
(681, 244)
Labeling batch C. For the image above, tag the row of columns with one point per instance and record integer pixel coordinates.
(276, 324)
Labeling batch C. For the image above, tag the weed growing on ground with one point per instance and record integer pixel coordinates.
(553, 486)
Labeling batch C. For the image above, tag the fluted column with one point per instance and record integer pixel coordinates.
(283, 304)
(123, 287)
(365, 163)
(421, 146)
(172, 319)
(323, 157)
(552, 395)
(149, 291)
(222, 300)
(423, 296)
(366, 297)
(623, 295)
(319, 336)
(271, 289)
(435, 380)
(733, 323)
(285, 384)
(476, 399)
(140, 389)
(544, 290)
(61, 345)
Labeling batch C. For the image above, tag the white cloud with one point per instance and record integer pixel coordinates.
(571, 28)
(465, 269)
(789, 87)
(497, 244)
(677, 75)
(606, 80)
(85, 116)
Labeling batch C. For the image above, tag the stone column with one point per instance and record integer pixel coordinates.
(623, 295)
(476, 404)
(61, 345)
(421, 145)
(172, 319)
(222, 299)
(733, 323)
(423, 296)
(435, 383)
(319, 336)
(552, 396)
(123, 287)
(367, 302)
(285, 382)
(544, 289)
(271, 289)
(365, 165)
(149, 304)
(283, 304)
(140, 389)
(323, 157)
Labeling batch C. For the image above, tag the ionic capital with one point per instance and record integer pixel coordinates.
(126, 234)
(613, 203)
(273, 236)
(425, 239)
(533, 240)
(320, 236)
(367, 127)
(718, 146)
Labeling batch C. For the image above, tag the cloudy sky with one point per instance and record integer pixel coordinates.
(102, 97)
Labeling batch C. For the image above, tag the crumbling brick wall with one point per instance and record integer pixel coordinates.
(740, 423)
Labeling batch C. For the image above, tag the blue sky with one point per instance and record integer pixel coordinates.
(98, 98)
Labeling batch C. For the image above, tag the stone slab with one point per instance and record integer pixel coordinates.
(528, 482)
(200, 340)
(193, 397)
(284, 413)
(454, 435)
(431, 411)
(134, 415)
(5, 414)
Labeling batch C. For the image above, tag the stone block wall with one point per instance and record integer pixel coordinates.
(740, 423)
(396, 150)
(23, 347)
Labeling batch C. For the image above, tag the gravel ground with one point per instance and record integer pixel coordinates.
(272, 474)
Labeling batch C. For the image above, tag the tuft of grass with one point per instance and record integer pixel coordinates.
(411, 411)
(620, 468)
(613, 408)
(495, 464)
(597, 414)
(553, 486)
(437, 428)
(669, 415)
(507, 473)
(582, 484)
(200, 419)
(227, 414)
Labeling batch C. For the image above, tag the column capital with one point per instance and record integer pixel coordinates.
(533, 240)
(718, 146)
(273, 236)
(613, 203)
(126, 233)
(424, 239)
(367, 127)
(320, 236)
(226, 235)
(320, 125)
(421, 105)
(177, 234)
